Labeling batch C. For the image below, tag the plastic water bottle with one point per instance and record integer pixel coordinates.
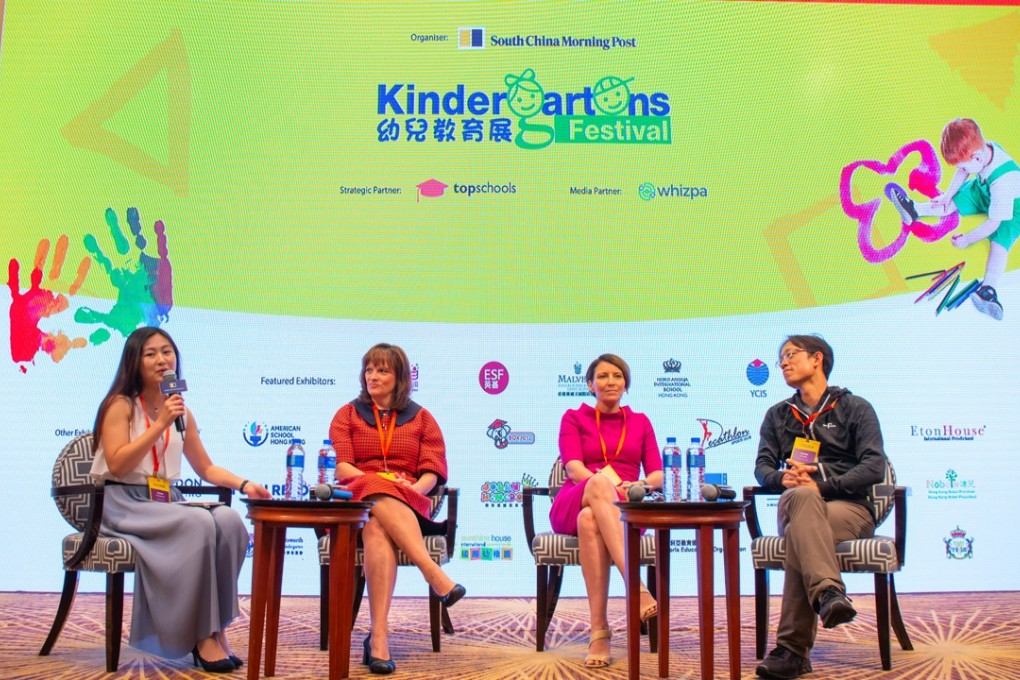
(695, 470)
(295, 489)
(327, 462)
(672, 472)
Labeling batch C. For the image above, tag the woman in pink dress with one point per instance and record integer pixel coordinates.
(603, 450)
(390, 450)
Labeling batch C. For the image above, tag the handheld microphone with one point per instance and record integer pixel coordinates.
(326, 492)
(714, 492)
(169, 386)
(636, 493)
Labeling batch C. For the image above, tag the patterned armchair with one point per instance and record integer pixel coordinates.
(440, 550)
(553, 552)
(879, 555)
(80, 500)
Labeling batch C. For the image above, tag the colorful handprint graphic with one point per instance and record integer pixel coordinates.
(924, 178)
(36, 303)
(144, 283)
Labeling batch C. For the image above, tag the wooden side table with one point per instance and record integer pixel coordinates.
(272, 518)
(704, 519)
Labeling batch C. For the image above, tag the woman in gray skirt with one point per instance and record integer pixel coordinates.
(189, 557)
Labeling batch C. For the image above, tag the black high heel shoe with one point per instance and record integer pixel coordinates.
(453, 597)
(217, 666)
(377, 666)
(236, 660)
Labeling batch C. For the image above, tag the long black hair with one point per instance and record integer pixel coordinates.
(127, 382)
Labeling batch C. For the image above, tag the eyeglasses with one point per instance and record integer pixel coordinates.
(787, 356)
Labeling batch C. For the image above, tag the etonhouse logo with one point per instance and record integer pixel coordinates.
(610, 111)
(256, 434)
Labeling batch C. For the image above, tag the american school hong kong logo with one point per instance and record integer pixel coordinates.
(502, 435)
(256, 433)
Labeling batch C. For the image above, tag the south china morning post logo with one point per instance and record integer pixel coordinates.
(948, 432)
(959, 546)
(487, 548)
(951, 487)
(672, 384)
(572, 383)
(608, 109)
(502, 435)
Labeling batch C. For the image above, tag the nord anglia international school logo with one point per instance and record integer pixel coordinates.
(958, 546)
(256, 434)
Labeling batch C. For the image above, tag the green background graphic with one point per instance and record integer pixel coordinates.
(237, 123)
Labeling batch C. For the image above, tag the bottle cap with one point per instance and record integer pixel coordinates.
(695, 440)
(671, 440)
(327, 442)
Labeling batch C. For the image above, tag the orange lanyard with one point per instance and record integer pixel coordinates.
(387, 439)
(623, 434)
(166, 440)
(805, 424)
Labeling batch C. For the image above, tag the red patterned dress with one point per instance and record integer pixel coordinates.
(417, 448)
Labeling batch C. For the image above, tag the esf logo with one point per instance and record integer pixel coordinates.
(758, 374)
(502, 435)
(494, 377)
(256, 433)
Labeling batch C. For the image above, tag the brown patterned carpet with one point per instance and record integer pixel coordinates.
(955, 636)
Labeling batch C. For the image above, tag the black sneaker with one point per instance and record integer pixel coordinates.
(783, 664)
(904, 206)
(987, 302)
(834, 608)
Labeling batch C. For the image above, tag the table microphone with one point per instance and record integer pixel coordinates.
(326, 492)
(714, 492)
(636, 493)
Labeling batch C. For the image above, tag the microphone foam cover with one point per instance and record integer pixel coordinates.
(323, 492)
(636, 493)
(709, 492)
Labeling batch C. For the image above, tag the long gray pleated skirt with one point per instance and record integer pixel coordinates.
(186, 571)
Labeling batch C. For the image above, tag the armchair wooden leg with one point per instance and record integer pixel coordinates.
(63, 609)
(761, 612)
(447, 623)
(897, 618)
(541, 606)
(653, 630)
(324, 607)
(434, 617)
(555, 583)
(114, 618)
(882, 621)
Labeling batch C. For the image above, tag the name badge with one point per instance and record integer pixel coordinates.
(608, 471)
(805, 450)
(159, 490)
(387, 475)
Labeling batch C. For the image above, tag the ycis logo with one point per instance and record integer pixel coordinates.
(494, 377)
(255, 433)
(758, 374)
(502, 436)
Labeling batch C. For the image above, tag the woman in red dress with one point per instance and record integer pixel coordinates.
(390, 450)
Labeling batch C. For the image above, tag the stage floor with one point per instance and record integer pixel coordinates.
(959, 635)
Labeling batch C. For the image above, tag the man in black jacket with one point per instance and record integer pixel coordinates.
(823, 449)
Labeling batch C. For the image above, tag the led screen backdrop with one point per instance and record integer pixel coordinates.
(506, 191)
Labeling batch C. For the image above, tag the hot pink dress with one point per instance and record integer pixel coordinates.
(579, 440)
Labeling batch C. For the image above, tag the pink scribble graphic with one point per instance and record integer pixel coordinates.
(144, 283)
(923, 179)
(37, 303)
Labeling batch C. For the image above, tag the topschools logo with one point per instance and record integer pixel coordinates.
(256, 434)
